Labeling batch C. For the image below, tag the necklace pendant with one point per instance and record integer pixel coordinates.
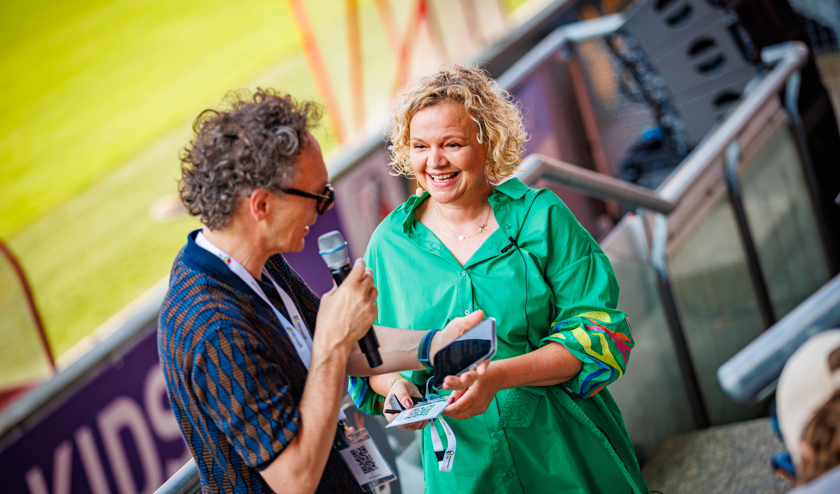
(460, 237)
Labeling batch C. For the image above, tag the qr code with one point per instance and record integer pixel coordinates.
(419, 410)
(363, 458)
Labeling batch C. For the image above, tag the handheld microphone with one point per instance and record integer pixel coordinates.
(333, 248)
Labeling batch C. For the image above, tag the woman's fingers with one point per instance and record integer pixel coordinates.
(466, 379)
(405, 398)
(455, 408)
(389, 416)
(459, 405)
(455, 396)
(470, 403)
(414, 426)
(460, 414)
(453, 383)
(403, 393)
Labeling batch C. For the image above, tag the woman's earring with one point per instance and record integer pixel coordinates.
(419, 191)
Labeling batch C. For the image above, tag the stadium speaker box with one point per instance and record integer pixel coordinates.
(694, 49)
(653, 22)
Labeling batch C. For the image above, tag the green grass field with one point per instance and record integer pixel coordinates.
(88, 85)
(22, 359)
(98, 100)
(92, 126)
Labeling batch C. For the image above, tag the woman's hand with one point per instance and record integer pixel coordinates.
(473, 401)
(547, 366)
(403, 391)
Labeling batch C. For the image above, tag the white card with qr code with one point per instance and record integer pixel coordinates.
(427, 410)
(365, 461)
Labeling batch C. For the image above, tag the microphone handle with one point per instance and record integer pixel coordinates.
(369, 344)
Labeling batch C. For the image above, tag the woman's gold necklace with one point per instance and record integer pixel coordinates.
(462, 237)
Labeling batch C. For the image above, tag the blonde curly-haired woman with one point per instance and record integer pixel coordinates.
(541, 419)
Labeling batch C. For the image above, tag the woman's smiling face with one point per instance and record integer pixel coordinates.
(445, 154)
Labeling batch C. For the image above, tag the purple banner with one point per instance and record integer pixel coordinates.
(116, 434)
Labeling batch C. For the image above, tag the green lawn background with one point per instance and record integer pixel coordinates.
(98, 100)
(87, 85)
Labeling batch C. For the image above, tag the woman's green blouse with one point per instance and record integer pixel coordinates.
(556, 287)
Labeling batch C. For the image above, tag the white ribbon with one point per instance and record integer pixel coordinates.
(298, 333)
(297, 330)
(445, 457)
(448, 457)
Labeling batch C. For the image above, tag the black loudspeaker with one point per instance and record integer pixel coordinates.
(655, 21)
(692, 46)
(702, 112)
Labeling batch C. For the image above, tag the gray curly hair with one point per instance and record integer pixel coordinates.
(254, 144)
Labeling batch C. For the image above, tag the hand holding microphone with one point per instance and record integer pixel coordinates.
(333, 249)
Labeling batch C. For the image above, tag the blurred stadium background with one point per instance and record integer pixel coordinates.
(98, 100)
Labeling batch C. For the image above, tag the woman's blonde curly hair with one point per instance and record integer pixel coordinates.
(499, 119)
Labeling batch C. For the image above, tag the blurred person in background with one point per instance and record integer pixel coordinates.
(541, 419)
(254, 361)
(808, 410)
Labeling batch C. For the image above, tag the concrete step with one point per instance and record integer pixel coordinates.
(732, 458)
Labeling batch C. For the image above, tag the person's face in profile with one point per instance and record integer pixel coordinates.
(294, 213)
(445, 154)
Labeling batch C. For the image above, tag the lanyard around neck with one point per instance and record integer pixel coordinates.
(297, 331)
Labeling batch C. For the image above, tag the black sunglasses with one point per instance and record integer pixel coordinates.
(325, 198)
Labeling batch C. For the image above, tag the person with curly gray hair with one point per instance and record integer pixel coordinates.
(254, 361)
(476, 238)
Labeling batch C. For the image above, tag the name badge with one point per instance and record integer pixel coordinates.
(427, 410)
(362, 455)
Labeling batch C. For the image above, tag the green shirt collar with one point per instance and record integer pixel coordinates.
(513, 188)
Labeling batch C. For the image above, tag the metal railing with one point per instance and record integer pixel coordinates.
(556, 41)
(185, 481)
(720, 145)
(592, 183)
(789, 58)
(752, 374)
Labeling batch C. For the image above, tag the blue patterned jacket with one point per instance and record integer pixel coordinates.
(234, 378)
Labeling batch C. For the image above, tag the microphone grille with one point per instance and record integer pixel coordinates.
(333, 249)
